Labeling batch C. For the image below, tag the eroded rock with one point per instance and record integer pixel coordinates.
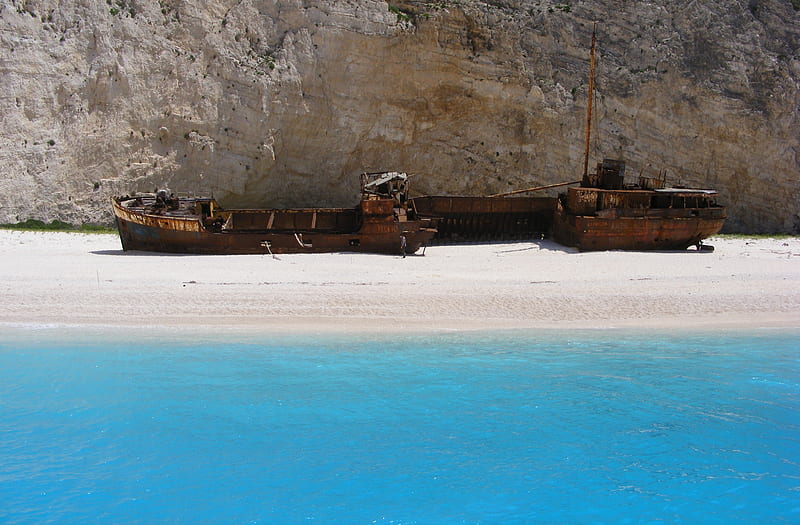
(273, 103)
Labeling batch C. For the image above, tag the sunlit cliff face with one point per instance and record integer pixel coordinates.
(285, 102)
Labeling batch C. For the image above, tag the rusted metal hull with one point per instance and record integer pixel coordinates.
(487, 218)
(264, 232)
(646, 230)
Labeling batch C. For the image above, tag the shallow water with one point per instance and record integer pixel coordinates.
(594, 427)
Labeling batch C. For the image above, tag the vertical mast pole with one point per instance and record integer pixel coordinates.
(589, 107)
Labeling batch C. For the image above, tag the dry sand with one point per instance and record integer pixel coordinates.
(71, 279)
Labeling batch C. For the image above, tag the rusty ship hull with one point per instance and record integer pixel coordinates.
(461, 218)
(639, 233)
(378, 224)
(591, 218)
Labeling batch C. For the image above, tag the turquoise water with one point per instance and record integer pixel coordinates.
(594, 427)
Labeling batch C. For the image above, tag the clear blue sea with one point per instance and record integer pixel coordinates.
(588, 427)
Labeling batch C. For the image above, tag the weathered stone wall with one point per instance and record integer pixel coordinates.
(284, 103)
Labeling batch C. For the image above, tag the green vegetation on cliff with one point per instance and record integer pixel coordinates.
(56, 225)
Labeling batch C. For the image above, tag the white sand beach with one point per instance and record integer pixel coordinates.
(73, 279)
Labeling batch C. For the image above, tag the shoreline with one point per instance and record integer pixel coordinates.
(22, 335)
(85, 281)
(411, 326)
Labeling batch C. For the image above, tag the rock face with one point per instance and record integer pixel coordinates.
(285, 102)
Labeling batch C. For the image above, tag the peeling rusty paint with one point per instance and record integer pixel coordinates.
(157, 221)
(487, 218)
(596, 218)
(379, 223)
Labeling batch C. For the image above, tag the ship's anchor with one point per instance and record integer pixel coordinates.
(704, 247)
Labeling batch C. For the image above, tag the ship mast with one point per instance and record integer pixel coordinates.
(589, 107)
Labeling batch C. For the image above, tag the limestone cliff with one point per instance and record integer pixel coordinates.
(285, 102)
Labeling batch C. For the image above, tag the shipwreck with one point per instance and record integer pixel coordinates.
(601, 211)
(381, 223)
